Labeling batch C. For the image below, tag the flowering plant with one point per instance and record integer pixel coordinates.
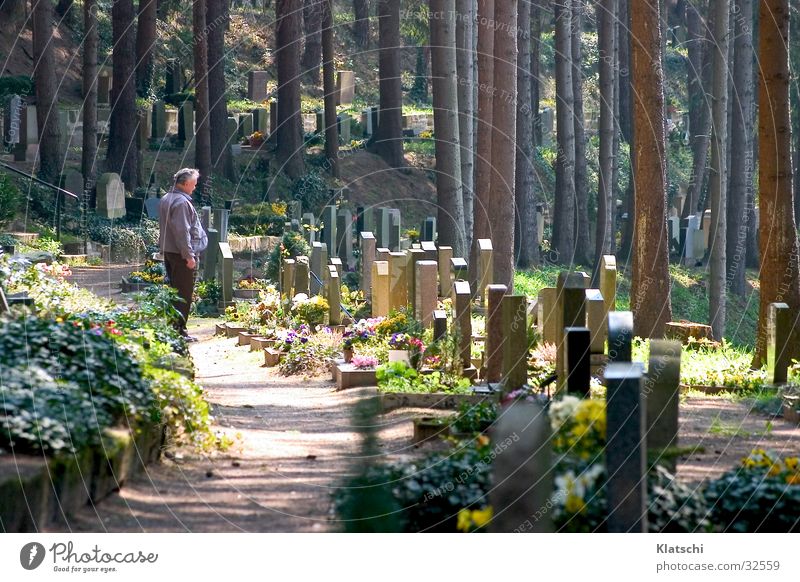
(292, 337)
(356, 336)
(579, 426)
(252, 283)
(311, 311)
(364, 362)
(404, 341)
(470, 520)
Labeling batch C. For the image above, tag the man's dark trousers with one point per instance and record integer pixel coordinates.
(181, 278)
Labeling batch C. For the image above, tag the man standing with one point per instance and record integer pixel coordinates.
(181, 239)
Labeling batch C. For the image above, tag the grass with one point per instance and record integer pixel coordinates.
(720, 428)
(421, 147)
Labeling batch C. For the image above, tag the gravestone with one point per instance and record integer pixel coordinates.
(546, 317)
(320, 122)
(620, 336)
(414, 256)
(232, 134)
(104, 88)
(495, 337)
(694, 240)
(151, 206)
(608, 281)
(287, 278)
(72, 181)
(246, 125)
(301, 275)
(257, 86)
(515, 348)
(577, 342)
(174, 76)
(394, 230)
(294, 210)
(110, 196)
(273, 120)
(384, 225)
(332, 269)
(459, 270)
(381, 288)
(463, 321)
(439, 325)
(336, 263)
(344, 122)
(329, 228)
(779, 331)
(522, 471)
(211, 259)
(399, 282)
(368, 256)
(221, 216)
(596, 320)
(445, 265)
(319, 262)
(706, 228)
(226, 275)
(334, 299)
(626, 461)
(570, 312)
(12, 120)
(382, 254)
(345, 87)
(309, 228)
(485, 268)
(261, 120)
(429, 248)
(662, 395)
(428, 232)
(344, 237)
(185, 123)
(426, 295)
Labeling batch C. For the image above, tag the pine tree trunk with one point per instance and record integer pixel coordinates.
(44, 76)
(483, 158)
(145, 46)
(329, 88)
(606, 17)
(221, 156)
(582, 243)
(290, 150)
(504, 141)
(387, 141)
(202, 138)
(89, 79)
(650, 281)
(361, 23)
(565, 211)
(719, 174)
(465, 58)
(445, 118)
(420, 90)
(525, 222)
(537, 11)
(312, 54)
(122, 154)
(779, 277)
(741, 147)
(624, 105)
(794, 66)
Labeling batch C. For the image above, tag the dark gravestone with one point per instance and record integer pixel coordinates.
(577, 349)
(515, 347)
(439, 325)
(185, 123)
(151, 206)
(273, 120)
(522, 471)
(428, 229)
(620, 336)
(779, 331)
(570, 312)
(662, 394)
(329, 229)
(174, 77)
(458, 267)
(257, 86)
(394, 230)
(495, 337)
(211, 255)
(626, 461)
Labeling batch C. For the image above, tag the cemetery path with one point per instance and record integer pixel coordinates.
(294, 443)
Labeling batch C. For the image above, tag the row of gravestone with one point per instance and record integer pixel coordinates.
(258, 92)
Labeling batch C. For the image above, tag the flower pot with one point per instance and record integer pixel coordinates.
(400, 356)
(348, 355)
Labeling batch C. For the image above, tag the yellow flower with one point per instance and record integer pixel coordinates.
(464, 520)
(574, 504)
(483, 440)
(774, 469)
(791, 463)
(793, 479)
(482, 516)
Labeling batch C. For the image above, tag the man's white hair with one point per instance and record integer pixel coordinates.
(185, 175)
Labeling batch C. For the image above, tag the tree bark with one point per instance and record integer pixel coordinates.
(650, 281)
(202, 138)
(312, 54)
(387, 141)
(445, 118)
(89, 80)
(582, 244)
(465, 58)
(537, 11)
(361, 23)
(122, 156)
(145, 46)
(565, 210)
(221, 156)
(741, 147)
(625, 107)
(290, 150)
(779, 277)
(719, 174)
(525, 222)
(606, 17)
(44, 77)
(329, 88)
(504, 129)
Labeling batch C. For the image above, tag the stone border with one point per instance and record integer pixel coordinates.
(128, 287)
(438, 401)
(348, 376)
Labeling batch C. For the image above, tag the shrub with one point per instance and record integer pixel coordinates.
(292, 245)
(10, 199)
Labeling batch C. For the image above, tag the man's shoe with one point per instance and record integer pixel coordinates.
(189, 339)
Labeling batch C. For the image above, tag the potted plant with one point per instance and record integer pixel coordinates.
(405, 348)
(352, 338)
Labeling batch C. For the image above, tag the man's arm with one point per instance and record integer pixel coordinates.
(180, 221)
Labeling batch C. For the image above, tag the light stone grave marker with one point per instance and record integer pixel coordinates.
(495, 337)
(426, 294)
(381, 288)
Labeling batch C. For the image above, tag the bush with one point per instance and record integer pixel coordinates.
(10, 199)
(312, 190)
(129, 240)
(258, 219)
(292, 245)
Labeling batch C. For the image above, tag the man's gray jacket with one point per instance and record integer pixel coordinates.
(180, 228)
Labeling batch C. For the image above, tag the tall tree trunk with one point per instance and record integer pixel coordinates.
(794, 66)
(329, 89)
(741, 147)
(221, 156)
(525, 222)
(123, 153)
(465, 59)
(445, 119)
(606, 17)
(719, 174)
(650, 300)
(779, 277)
(12, 13)
(625, 107)
(582, 244)
(537, 11)
(504, 141)
(44, 76)
(290, 151)
(361, 23)
(145, 46)
(420, 90)
(202, 138)
(387, 141)
(312, 54)
(483, 159)
(565, 210)
(89, 79)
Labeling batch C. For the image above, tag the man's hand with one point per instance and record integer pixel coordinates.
(191, 263)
